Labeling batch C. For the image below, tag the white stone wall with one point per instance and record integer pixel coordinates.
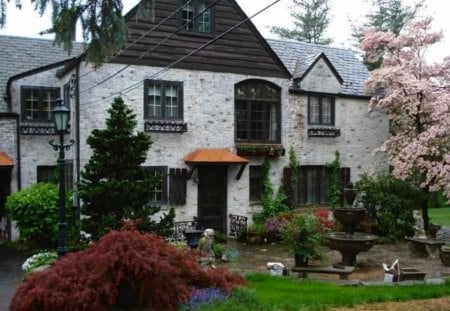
(362, 133)
(208, 111)
(321, 79)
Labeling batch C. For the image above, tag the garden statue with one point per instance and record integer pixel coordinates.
(419, 231)
(205, 246)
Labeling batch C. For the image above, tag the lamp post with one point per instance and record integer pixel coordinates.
(61, 118)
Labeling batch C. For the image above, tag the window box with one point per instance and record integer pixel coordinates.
(260, 150)
(324, 132)
(165, 126)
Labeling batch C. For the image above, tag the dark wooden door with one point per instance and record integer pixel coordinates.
(212, 197)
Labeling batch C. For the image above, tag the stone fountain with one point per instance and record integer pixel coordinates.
(349, 242)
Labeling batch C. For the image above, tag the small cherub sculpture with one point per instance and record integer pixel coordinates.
(205, 246)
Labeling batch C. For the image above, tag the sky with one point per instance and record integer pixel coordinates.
(343, 13)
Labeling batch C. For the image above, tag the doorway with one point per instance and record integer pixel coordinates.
(212, 197)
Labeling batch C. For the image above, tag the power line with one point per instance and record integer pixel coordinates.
(150, 50)
(135, 85)
(144, 34)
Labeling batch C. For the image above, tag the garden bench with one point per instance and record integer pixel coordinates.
(343, 271)
(424, 247)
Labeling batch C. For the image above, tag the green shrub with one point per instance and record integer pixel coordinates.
(390, 202)
(35, 209)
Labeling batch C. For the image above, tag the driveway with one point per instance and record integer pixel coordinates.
(10, 274)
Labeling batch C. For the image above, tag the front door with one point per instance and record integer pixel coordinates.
(212, 197)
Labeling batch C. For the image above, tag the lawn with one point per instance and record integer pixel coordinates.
(266, 292)
(440, 216)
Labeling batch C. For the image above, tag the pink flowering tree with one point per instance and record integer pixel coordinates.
(416, 96)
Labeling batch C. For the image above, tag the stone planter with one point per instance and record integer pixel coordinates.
(193, 237)
(445, 255)
(300, 260)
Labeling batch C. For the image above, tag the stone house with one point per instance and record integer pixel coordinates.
(216, 98)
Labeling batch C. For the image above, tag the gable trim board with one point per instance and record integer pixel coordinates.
(314, 63)
(293, 90)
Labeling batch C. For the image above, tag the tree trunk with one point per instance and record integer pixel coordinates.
(425, 216)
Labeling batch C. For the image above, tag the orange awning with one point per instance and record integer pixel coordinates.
(214, 156)
(5, 160)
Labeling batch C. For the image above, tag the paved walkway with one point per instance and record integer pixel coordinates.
(10, 274)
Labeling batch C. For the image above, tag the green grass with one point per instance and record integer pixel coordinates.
(266, 293)
(440, 216)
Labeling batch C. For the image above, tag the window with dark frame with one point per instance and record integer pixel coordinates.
(257, 112)
(193, 8)
(49, 174)
(38, 102)
(163, 100)
(255, 183)
(312, 185)
(321, 110)
(159, 191)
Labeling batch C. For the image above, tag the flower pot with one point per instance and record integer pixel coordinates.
(300, 260)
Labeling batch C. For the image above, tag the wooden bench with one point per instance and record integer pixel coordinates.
(425, 247)
(343, 271)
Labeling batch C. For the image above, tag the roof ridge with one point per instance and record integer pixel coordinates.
(296, 42)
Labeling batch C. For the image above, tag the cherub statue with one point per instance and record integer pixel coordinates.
(205, 246)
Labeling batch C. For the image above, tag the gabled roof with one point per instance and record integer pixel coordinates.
(20, 54)
(214, 156)
(5, 160)
(299, 56)
(310, 63)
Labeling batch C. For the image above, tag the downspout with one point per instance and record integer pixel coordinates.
(77, 138)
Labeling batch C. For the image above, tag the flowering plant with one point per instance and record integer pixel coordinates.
(203, 297)
(323, 216)
(302, 236)
(39, 260)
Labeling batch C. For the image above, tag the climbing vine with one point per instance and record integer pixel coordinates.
(273, 204)
(334, 167)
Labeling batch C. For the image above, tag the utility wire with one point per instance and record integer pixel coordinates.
(150, 50)
(144, 34)
(135, 85)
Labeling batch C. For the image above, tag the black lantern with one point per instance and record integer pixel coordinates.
(61, 119)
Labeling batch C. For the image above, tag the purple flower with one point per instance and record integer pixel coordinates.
(204, 296)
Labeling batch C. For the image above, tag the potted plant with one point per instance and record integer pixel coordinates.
(302, 236)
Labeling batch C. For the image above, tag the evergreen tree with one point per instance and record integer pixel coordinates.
(101, 20)
(114, 186)
(310, 20)
(387, 16)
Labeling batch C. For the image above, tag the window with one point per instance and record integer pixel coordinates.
(195, 16)
(49, 174)
(159, 191)
(256, 183)
(257, 112)
(163, 100)
(38, 102)
(320, 110)
(312, 186)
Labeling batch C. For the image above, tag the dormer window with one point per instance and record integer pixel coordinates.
(195, 17)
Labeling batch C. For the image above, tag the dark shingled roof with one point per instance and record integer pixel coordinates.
(20, 54)
(298, 57)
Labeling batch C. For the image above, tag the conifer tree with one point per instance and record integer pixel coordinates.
(102, 22)
(310, 20)
(114, 186)
(387, 16)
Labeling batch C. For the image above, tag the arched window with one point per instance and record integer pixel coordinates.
(257, 112)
